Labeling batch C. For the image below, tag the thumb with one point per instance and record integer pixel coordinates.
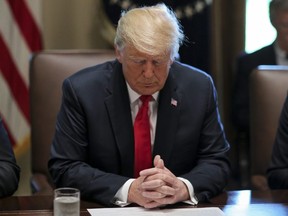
(158, 162)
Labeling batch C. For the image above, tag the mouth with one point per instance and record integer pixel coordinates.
(148, 84)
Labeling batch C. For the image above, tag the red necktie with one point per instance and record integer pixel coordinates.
(142, 153)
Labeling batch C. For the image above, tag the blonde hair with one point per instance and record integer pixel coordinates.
(154, 30)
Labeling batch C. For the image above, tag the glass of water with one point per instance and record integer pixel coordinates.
(66, 202)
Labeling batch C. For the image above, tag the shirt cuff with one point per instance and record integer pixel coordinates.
(121, 196)
(193, 199)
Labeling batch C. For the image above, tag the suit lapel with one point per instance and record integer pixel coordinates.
(167, 119)
(118, 106)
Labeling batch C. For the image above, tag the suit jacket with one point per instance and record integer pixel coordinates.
(93, 147)
(278, 169)
(9, 170)
(245, 65)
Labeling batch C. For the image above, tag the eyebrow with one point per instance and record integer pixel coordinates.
(153, 58)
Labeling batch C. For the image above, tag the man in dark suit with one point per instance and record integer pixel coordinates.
(93, 147)
(273, 54)
(245, 65)
(278, 170)
(9, 170)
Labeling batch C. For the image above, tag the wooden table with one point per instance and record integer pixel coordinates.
(233, 203)
(252, 203)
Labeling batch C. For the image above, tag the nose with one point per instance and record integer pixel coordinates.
(148, 70)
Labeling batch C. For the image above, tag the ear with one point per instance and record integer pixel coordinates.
(118, 54)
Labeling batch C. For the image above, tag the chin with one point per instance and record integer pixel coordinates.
(146, 91)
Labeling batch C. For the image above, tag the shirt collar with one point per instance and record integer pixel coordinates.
(279, 52)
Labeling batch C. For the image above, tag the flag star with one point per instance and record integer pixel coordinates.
(179, 13)
(188, 11)
(199, 6)
(208, 2)
(125, 4)
(113, 2)
(133, 6)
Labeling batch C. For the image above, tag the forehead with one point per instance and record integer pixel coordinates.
(132, 52)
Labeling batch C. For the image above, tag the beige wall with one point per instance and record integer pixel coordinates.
(74, 24)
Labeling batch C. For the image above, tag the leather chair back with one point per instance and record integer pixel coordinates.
(268, 90)
(48, 69)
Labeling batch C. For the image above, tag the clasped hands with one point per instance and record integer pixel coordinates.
(157, 187)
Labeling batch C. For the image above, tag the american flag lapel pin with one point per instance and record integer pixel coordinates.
(173, 102)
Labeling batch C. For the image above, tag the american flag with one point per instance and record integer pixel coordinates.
(174, 102)
(20, 35)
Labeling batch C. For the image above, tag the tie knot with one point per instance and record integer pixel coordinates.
(145, 98)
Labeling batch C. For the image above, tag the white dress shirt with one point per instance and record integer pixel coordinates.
(281, 56)
(135, 103)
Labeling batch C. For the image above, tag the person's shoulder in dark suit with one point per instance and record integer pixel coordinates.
(9, 170)
(277, 172)
(264, 56)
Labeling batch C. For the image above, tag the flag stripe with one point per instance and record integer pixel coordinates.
(16, 123)
(15, 42)
(26, 23)
(20, 36)
(35, 7)
(10, 73)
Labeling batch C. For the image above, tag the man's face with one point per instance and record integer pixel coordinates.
(281, 25)
(144, 73)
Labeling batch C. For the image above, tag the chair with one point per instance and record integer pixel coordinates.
(268, 90)
(47, 71)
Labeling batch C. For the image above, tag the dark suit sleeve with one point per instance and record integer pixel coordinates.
(9, 170)
(278, 169)
(70, 165)
(210, 176)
